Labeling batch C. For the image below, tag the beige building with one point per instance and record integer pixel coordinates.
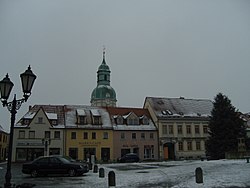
(39, 132)
(182, 125)
(134, 132)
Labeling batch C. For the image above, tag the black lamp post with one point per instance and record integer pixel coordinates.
(6, 85)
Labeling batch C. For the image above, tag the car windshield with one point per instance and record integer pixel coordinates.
(64, 160)
(69, 158)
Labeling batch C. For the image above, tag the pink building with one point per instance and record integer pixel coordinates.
(134, 132)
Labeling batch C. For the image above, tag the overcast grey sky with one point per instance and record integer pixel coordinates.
(155, 48)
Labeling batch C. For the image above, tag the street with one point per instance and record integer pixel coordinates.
(221, 173)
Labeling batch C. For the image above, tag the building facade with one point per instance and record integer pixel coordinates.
(134, 132)
(182, 126)
(88, 133)
(4, 140)
(39, 132)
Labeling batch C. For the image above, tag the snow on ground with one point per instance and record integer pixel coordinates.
(171, 174)
(175, 174)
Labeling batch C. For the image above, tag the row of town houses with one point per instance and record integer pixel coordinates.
(163, 129)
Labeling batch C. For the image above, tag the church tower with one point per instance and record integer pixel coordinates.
(103, 95)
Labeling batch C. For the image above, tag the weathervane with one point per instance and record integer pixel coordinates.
(103, 51)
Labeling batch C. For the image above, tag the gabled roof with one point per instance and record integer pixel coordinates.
(171, 107)
(114, 112)
(122, 111)
(52, 112)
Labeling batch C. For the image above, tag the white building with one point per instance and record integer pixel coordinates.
(39, 132)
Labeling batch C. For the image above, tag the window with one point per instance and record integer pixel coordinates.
(105, 135)
(93, 135)
(143, 136)
(119, 120)
(198, 145)
(164, 129)
(179, 128)
(145, 121)
(47, 134)
(133, 135)
(197, 129)
(97, 120)
(31, 134)
(21, 134)
(170, 129)
(189, 145)
(205, 129)
(133, 121)
(188, 129)
(151, 135)
(40, 120)
(57, 134)
(82, 120)
(73, 135)
(180, 146)
(85, 135)
(54, 122)
(122, 135)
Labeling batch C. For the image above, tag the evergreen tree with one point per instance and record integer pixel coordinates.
(225, 127)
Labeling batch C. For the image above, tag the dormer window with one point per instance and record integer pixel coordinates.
(119, 120)
(82, 120)
(96, 117)
(54, 122)
(133, 121)
(81, 117)
(145, 120)
(26, 121)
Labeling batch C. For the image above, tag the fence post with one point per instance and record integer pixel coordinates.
(95, 168)
(101, 173)
(111, 178)
(198, 175)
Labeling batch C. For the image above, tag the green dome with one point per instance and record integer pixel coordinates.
(103, 92)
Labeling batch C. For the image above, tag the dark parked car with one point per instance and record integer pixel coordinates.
(54, 165)
(130, 157)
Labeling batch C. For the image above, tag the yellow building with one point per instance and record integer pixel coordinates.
(4, 137)
(88, 133)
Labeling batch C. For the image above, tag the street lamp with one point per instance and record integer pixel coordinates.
(46, 143)
(6, 86)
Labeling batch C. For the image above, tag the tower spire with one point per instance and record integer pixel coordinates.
(103, 54)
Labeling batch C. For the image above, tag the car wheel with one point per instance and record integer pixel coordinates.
(72, 172)
(34, 173)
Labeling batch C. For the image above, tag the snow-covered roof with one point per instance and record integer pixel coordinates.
(71, 119)
(125, 113)
(53, 112)
(51, 116)
(180, 107)
(81, 112)
(95, 112)
(29, 115)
